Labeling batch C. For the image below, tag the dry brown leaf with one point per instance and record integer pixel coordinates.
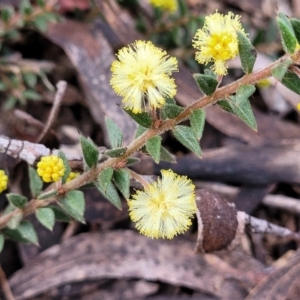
(126, 254)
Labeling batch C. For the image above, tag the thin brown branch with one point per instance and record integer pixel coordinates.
(5, 286)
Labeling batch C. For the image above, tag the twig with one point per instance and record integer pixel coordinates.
(5, 286)
(61, 88)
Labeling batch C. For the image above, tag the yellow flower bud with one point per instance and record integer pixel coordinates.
(3, 181)
(51, 168)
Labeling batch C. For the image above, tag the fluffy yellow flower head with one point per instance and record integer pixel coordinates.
(169, 5)
(142, 72)
(3, 181)
(72, 176)
(165, 208)
(217, 41)
(51, 168)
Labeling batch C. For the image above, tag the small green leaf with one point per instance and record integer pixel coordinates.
(139, 131)
(296, 26)
(60, 215)
(279, 71)
(291, 81)
(66, 165)
(209, 72)
(35, 182)
(25, 7)
(186, 136)
(30, 79)
(90, 151)
(288, 37)
(243, 111)
(122, 181)
(47, 194)
(171, 111)
(153, 148)
(206, 83)
(105, 178)
(165, 155)
(7, 12)
(143, 118)
(24, 233)
(244, 92)
(111, 194)
(17, 200)
(115, 134)
(46, 217)
(73, 203)
(2, 240)
(31, 95)
(117, 152)
(197, 122)
(132, 161)
(247, 53)
(40, 23)
(14, 222)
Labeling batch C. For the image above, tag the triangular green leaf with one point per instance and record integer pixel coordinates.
(153, 148)
(122, 180)
(165, 155)
(197, 122)
(60, 215)
(105, 177)
(139, 131)
(247, 53)
(117, 152)
(2, 240)
(66, 165)
(288, 37)
(46, 217)
(90, 151)
(291, 81)
(132, 161)
(279, 71)
(244, 92)
(73, 203)
(115, 134)
(111, 194)
(17, 200)
(35, 182)
(24, 233)
(171, 111)
(186, 136)
(296, 26)
(143, 118)
(206, 83)
(243, 111)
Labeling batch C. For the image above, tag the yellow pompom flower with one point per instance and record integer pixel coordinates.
(72, 176)
(217, 41)
(51, 168)
(142, 73)
(168, 5)
(165, 208)
(3, 181)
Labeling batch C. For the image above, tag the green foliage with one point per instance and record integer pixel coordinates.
(197, 122)
(35, 182)
(73, 204)
(117, 152)
(291, 81)
(66, 165)
(242, 110)
(2, 240)
(121, 179)
(206, 83)
(165, 155)
(279, 71)
(170, 111)
(25, 233)
(132, 161)
(288, 37)
(90, 151)
(247, 53)
(296, 26)
(186, 136)
(46, 217)
(105, 178)
(153, 148)
(115, 134)
(17, 200)
(244, 92)
(143, 118)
